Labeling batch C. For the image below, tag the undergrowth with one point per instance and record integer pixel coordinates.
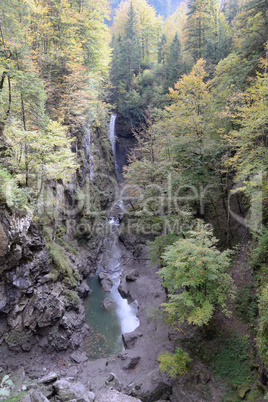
(246, 304)
(233, 361)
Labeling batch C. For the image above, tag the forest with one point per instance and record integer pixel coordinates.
(188, 83)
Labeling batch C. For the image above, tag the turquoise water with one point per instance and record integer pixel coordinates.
(104, 338)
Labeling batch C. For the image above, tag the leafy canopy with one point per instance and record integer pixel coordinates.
(195, 275)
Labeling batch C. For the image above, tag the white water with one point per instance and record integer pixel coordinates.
(126, 312)
(88, 154)
(112, 132)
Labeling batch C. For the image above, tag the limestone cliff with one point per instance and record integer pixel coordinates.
(47, 252)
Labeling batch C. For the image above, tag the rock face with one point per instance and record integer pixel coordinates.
(32, 303)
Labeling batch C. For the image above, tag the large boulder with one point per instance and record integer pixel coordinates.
(107, 304)
(130, 338)
(34, 396)
(153, 387)
(106, 281)
(132, 275)
(115, 396)
(68, 390)
(84, 290)
(130, 360)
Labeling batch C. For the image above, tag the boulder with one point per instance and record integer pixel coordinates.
(113, 382)
(130, 338)
(79, 357)
(84, 290)
(67, 390)
(153, 387)
(242, 391)
(51, 377)
(108, 303)
(115, 396)
(106, 281)
(132, 275)
(35, 396)
(123, 289)
(130, 360)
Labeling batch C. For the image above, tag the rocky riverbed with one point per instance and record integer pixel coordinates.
(134, 371)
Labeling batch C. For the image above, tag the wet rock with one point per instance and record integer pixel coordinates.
(67, 390)
(51, 377)
(79, 357)
(130, 338)
(123, 288)
(108, 303)
(84, 290)
(106, 281)
(132, 275)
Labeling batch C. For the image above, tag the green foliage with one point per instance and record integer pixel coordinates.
(5, 387)
(262, 331)
(174, 63)
(174, 364)
(59, 259)
(260, 251)
(196, 277)
(159, 245)
(10, 193)
(246, 305)
(233, 361)
(72, 298)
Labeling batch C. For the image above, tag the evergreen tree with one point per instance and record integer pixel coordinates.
(174, 63)
(131, 48)
(162, 50)
(116, 72)
(197, 25)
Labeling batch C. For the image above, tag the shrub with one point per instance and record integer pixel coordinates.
(174, 364)
(14, 197)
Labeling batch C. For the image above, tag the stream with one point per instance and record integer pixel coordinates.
(107, 326)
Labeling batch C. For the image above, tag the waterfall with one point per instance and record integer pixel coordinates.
(88, 154)
(112, 132)
(112, 137)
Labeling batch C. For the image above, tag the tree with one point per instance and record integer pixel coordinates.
(250, 139)
(174, 63)
(174, 364)
(162, 49)
(196, 278)
(131, 48)
(191, 122)
(197, 25)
